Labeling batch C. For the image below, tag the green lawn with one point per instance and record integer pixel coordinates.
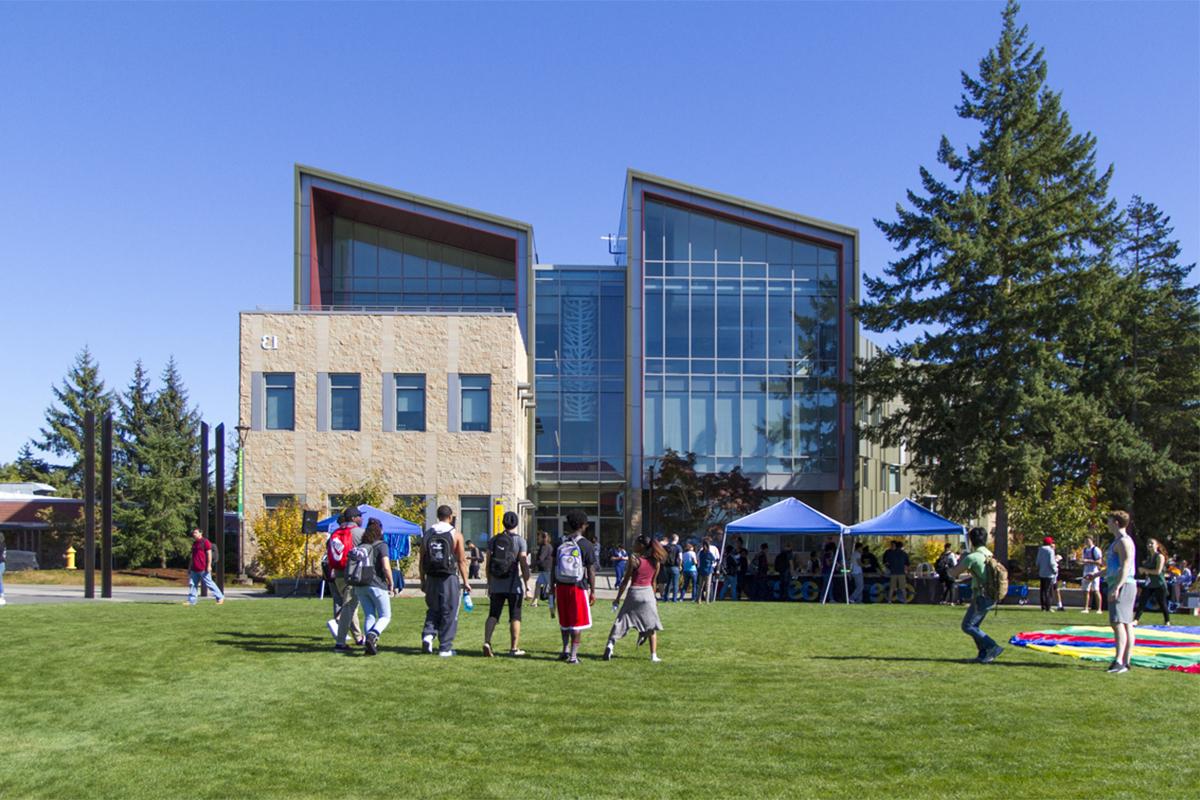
(753, 700)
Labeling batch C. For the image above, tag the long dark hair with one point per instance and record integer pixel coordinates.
(651, 549)
(374, 531)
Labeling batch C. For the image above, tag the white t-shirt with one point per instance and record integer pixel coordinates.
(856, 563)
(1094, 554)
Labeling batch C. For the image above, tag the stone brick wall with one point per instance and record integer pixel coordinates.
(436, 462)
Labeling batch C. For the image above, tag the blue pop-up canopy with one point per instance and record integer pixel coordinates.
(787, 516)
(907, 518)
(396, 530)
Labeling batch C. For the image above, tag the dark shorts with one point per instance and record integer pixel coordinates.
(496, 605)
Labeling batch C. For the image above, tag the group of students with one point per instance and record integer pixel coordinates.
(357, 566)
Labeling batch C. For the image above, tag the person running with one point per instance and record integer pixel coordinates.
(640, 610)
(542, 561)
(1122, 588)
(200, 570)
(620, 558)
(976, 563)
(1047, 567)
(945, 562)
(573, 581)
(896, 561)
(1092, 560)
(689, 571)
(345, 606)
(673, 566)
(444, 579)
(375, 595)
(508, 582)
(1152, 568)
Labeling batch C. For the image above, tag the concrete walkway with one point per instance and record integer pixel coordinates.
(29, 594)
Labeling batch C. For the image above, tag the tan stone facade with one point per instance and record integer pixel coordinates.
(436, 463)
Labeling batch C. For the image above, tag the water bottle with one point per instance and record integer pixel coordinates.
(468, 603)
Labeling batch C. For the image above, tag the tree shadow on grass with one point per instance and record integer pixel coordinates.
(997, 663)
(245, 635)
(270, 643)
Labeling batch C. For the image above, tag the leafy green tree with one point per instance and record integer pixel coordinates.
(998, 267)
(28, 468)
(81, 391)
(1062, 510)
(372, 491)
(687, 502)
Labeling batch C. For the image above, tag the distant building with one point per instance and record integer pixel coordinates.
(23, 523)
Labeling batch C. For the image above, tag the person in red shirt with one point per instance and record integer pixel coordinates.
(200, 570)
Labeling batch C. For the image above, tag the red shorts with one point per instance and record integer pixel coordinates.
(571, 604)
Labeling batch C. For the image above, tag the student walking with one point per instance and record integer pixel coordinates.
(345, 603)
(1122, 588)
(946, 562)
(543, 559)
(1093, 560)
(673, 566)
(896, 561)
(640, 610)
(1152, 568)
(369, 570)
(573, 581)
(200, 570)
(1047, 566)
(443, 569)
(689, 571)
(475, 557)
(508, 582)
(978, 562)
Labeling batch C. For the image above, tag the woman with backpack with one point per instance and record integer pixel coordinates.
(370, 571)
(640, 610)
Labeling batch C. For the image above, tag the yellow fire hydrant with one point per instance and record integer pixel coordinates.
(70, 558)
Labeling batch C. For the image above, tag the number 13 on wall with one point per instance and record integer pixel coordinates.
(270, 343)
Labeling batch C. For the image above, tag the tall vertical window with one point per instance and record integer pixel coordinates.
(473, 517)
(281, 400)
(344, 391)
(476, 402)
(410, 402)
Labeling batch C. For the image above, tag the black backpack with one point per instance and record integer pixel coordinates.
(439, 552)
(360, 567)
(502, 556)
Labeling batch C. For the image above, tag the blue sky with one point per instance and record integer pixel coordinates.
(147, 149)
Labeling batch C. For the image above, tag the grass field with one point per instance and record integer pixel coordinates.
(752, 700)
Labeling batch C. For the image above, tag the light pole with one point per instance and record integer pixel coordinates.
(242, 430)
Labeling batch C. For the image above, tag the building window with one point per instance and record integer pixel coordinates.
(410, 402)
(473, 517)
(337, 503)
(893, 473)
(281, 400)
(274, 501)
(866, 474)
(344, 390)
(476, 402)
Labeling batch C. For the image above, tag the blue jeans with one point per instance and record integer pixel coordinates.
(195, 579)
(2, 566)
(671, 590)
(976, 611)
(376, 606)
(689, 580)
(730, 587)
(619, 568)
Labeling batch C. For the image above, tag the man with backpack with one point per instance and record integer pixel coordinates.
(337, 555)
(573, 581)
(443, 568)
(989, 584)
(508, 582)
(671, 593)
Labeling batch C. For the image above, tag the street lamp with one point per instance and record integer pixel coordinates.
(242, 430)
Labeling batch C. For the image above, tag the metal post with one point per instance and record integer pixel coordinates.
(219, 534)
(89, 505)
(106, 493)
(203, 491)
(242, 430)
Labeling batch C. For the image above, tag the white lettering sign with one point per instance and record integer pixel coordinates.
(270, 343)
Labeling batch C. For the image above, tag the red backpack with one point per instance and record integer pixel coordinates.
(337, 549)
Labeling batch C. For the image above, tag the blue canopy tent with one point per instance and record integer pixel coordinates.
(396, 530)
(788, 516)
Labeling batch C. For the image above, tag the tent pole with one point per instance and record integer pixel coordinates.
(845, 577)
(721, 561)
(839, 554)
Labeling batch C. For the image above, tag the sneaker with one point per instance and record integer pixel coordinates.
(608, 652)
(445, 653)
(572, 659)
(516, 653)
(332, 625)
(487, 649)
(1062, 608)
(1114, 666)
(360, 640)
(372, 643)
(564, 656)
(342, 648)
(3, 602)
(426, 644)
(655, 659)
(1120, 668)
(221, 602)
(991, 654)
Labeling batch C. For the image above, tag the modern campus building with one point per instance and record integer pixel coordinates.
(429, 346)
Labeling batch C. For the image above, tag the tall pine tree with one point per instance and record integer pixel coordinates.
(999, 269)
(135, 541)
(81, 391)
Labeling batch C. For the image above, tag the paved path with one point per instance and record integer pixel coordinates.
(28, 594)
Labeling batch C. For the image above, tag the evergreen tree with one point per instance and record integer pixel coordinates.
(135, 540)
(1000, 269)
(81, 391)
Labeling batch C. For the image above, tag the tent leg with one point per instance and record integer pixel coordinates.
(840, 554)
(845, 577)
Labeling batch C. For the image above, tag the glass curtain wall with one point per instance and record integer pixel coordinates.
(741, 344)
(376, 267)
(580, 349)
(603, 507)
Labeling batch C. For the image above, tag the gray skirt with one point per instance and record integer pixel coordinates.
(639, 612)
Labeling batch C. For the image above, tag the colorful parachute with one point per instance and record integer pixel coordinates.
(1155, 646)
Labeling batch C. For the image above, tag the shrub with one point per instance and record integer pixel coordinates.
(281, 542)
